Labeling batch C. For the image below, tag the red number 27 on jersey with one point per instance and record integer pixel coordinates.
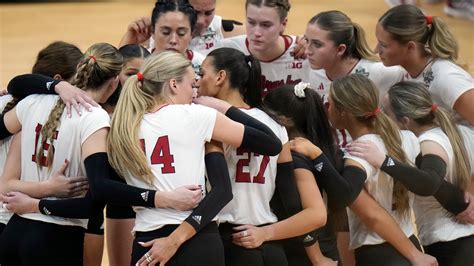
(244, 177)
(161, 154)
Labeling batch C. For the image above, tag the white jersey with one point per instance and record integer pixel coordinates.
(209, 40)
(383, 77)
(173, 138)
(4, 146)
(33, 112)
(282, 70)
(446, 82)
(195, 57)
(253, 179)
(380, 186)
(196, 60)
(436, 224)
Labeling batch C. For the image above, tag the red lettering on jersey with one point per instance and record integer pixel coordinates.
(43, 160)
(244, 177)
(269, 85)
(161, 154)
(209, 45)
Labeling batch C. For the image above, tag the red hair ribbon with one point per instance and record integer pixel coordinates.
(434, 107)
(140, 77)
(93, 58)
(374, 113)
(429, 20)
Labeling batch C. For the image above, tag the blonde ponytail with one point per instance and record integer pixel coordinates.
(357, 95)
(413, 100)
(138, 97)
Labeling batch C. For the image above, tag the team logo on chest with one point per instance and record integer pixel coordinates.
(428, 77)
(361, 70)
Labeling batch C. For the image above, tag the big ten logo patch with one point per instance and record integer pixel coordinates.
(297, 64)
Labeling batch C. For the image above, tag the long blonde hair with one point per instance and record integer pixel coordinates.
(408, 23)
(138, 97)
(413, 100)
(100, 62)
(357, 95)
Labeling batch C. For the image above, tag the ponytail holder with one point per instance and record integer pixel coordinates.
(299, 89)
(434, 107)
(93, 58)
(373, 113)
(429, 20)
(140, 77)
(247, 60)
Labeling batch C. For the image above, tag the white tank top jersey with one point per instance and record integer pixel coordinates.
(4, 146)
(383, 77)
(436, 224)
(380, 186)
(173, 139)
(446, 82)
(209, 40)
(284, 69)
(253, 179)
(33, 112)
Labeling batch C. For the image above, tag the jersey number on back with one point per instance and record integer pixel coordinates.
(244, 177)
(161, 155)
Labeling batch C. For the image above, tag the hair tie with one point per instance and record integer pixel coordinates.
(299, 89)
(140, 77)
(429, 20)
(434, 107)
(247, 60)
(93, 58)
(373, 113)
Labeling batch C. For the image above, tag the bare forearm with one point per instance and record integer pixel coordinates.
(380, 221)
(37, 190)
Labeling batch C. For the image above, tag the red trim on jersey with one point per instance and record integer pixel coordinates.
(286, 38)
(348, 73)
(189, 54)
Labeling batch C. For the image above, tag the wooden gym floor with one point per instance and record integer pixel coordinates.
(25, 28)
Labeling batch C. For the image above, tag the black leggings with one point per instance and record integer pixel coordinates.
(205, 248)
(29, 242)
(382, 254)
(268, 254)
(458, 252)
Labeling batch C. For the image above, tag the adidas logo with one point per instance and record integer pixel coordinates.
(46, 211)
(319, 166)
(308, 238)
(48, 84)
(144, 196)
(321, 87)
(197, 218)
(390, 162)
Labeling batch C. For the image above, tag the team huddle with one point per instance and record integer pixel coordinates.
(205, 142)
